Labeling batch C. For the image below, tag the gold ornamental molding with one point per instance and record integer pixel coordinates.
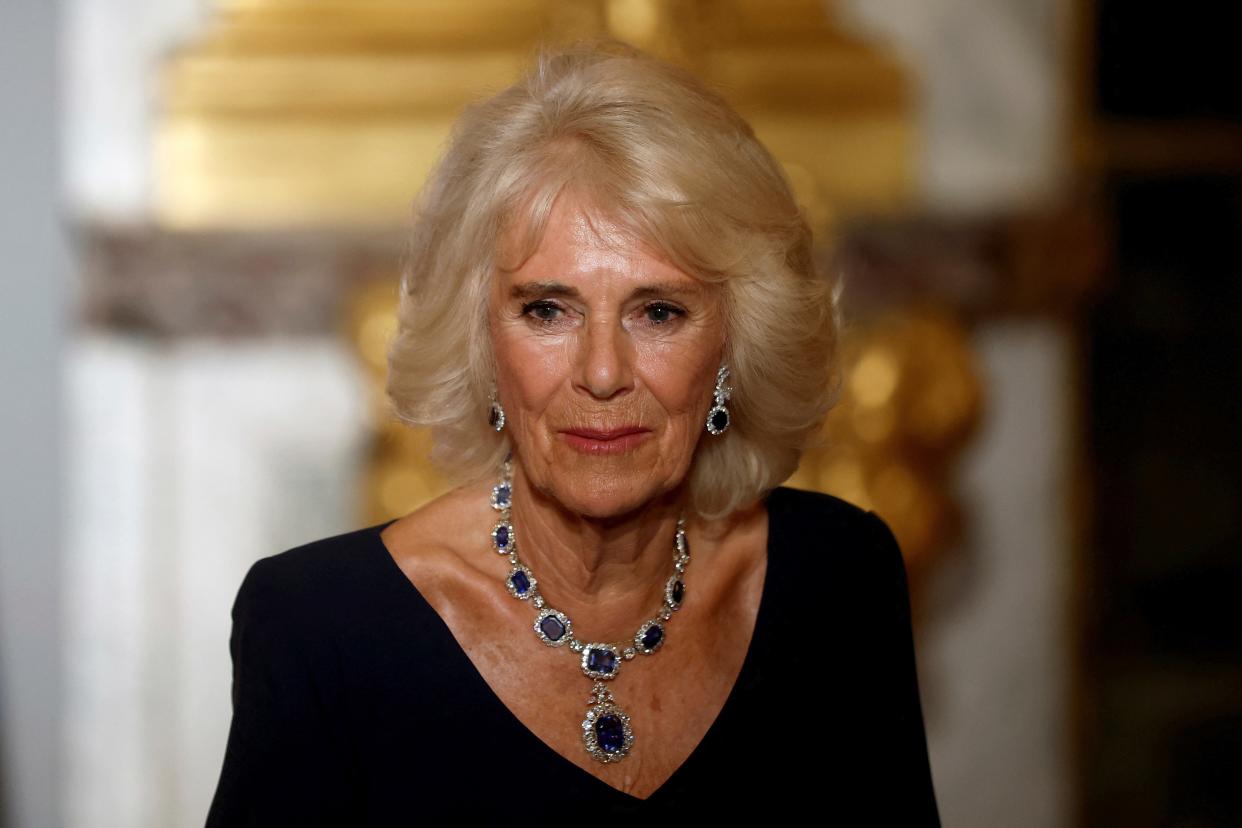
(911, 400)
(288, 113)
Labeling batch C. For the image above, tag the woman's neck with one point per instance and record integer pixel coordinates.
(607, 575)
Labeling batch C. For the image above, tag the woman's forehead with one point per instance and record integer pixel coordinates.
(581, 237)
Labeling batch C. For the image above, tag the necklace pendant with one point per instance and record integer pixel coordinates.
(606, 732)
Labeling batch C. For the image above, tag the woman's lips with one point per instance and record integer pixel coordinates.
(605, 442)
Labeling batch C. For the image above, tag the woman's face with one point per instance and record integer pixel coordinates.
(593, 333)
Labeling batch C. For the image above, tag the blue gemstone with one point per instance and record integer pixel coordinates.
(601, 661)
(610, 733)
(652, 636)
(552, 628)
(502, 537)
(520, 582)
(720, 419)
(679, 591)
(502, 495)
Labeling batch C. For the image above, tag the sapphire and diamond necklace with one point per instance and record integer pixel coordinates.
(606, 731)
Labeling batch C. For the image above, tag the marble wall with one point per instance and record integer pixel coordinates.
(187, 462)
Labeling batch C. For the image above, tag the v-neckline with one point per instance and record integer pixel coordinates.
(739, 683)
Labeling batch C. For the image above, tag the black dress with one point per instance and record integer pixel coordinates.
(353, 704)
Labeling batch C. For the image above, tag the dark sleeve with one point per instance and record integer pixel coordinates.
(904, 744)
(283, 764)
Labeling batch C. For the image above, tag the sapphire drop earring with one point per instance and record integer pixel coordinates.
(718, 417)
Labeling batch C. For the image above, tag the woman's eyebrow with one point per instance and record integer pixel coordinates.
(529, 290)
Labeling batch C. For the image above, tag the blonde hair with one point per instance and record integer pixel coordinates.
(666, 158)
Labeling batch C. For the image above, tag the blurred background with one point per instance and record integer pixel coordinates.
(1034, 207)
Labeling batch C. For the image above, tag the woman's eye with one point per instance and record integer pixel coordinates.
(663, 313)
(545, 312)
(538, 309)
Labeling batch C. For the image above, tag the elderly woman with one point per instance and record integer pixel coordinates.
(612, 321)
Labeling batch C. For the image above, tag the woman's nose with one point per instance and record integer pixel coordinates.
(605, 358)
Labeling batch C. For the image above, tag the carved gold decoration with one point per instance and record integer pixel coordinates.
(910, 399)
(328, 112)
(398, 476)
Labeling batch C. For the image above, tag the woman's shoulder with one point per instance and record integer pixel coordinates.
(347, 576)
(311, 579)
(824, 528)
(806, 510)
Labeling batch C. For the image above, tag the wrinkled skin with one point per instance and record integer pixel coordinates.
(603, 359)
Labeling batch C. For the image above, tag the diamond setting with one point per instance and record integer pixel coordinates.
(553, 628)
(601, 661)
(650, 637)
(521, 582)
(606, 730)
(503, 537)
(674, 592)
(502, 495)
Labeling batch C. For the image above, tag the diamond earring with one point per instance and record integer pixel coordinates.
(718, 417)
(496, 417)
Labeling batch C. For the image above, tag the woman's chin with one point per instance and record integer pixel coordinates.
(604, 484)
(592, 497)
